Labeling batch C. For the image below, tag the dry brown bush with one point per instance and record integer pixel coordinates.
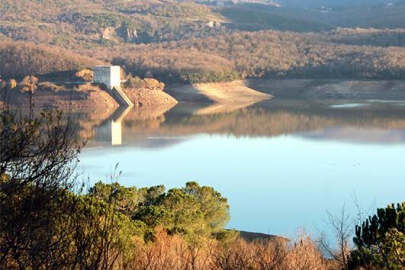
(304, 254)
(48, 86)
(85, 74)
(174, 252)
(154, 84)
(87, 87)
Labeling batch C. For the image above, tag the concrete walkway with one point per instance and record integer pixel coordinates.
(120, 97)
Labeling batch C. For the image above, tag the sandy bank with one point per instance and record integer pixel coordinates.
(330, 88)
(226, 96)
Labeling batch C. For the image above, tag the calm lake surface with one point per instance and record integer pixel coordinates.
(281, 163)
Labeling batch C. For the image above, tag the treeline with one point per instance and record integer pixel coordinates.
(84, 24)
(176, 65)
(21, 58)
(228, 57)
(368, 37)
(266, 54)
(179, 45)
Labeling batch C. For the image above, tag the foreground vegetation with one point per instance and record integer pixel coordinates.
(48, 220)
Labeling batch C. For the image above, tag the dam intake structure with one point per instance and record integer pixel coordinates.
(111, 77)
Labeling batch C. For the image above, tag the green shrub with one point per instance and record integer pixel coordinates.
(380, 240)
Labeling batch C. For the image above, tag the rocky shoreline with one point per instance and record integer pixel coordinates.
(224, 97)
(221, 97)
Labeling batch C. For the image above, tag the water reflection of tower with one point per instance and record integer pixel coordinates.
(111, 129)
(116, 133)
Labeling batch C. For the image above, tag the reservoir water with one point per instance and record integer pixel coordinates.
(282, 164)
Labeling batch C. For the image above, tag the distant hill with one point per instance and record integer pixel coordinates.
(253, 17)
(317, 18)
(95, 23)
(98, 22)
(204, 41)
(387, 16)
(105, 23)
(332, 3)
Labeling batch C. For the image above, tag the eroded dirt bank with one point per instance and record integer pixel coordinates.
(330, 89)
(220, 97)
(225, 97)
(86, 99)
(150, 98)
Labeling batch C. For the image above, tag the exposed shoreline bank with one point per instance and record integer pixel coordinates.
(330, 88)
(219, 97)
(224, 97)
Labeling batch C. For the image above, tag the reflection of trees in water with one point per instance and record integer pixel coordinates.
(249, 122)
(264, 120)
(107, 126)
(259, 121)
(87, 121)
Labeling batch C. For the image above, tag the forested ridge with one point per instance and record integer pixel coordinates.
(20, 58)
(193, 42)
(272, 54)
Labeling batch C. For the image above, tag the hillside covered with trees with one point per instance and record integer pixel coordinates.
(196, 42)
(20, 58)
(271, 54)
